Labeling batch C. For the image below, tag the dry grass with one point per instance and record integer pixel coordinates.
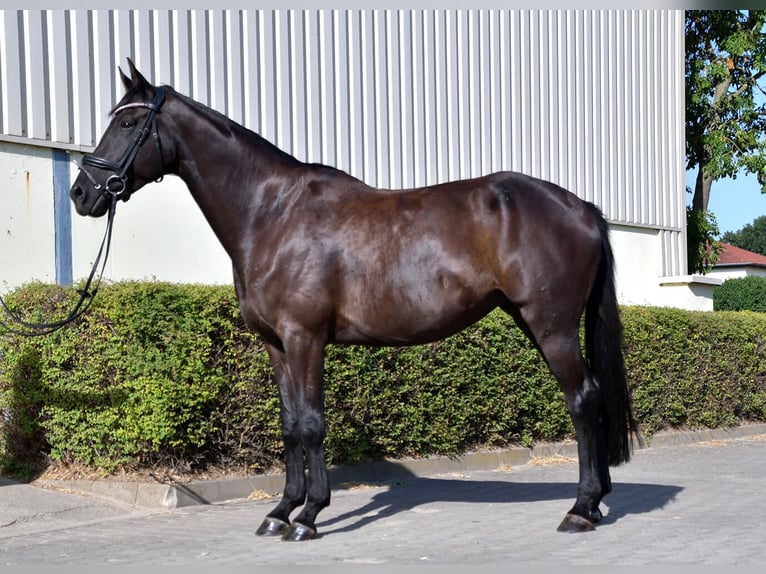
(553, 460)
(259, 494)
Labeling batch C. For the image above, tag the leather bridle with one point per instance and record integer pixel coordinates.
(116, 184)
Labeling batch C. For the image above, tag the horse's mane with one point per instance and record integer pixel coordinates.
(226, 126)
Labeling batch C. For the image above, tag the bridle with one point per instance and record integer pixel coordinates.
(115, 188)
(116, 184)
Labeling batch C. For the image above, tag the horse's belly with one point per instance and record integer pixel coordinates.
(407, 322)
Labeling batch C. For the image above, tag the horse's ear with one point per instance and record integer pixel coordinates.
(125, 80)
(136, 80)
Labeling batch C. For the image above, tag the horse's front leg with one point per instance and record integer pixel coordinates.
(301, 390)
(277, 522)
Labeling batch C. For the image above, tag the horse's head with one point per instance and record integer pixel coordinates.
(130, 153)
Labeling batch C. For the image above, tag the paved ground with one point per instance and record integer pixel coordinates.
(690, 503)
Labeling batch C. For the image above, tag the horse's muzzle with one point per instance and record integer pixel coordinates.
(85, 206)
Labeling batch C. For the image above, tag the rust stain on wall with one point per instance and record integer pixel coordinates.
(28, 189)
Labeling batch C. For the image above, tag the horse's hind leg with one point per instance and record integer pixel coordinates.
(560, 346)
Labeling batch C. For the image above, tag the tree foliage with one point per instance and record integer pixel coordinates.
(751, 237)
(725, 122)
(703, 249)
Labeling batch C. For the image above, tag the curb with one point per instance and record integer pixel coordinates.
(170, 495)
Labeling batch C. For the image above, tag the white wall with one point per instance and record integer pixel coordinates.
(639, 281)
(160, 233)
(26, 215)
(735, 272)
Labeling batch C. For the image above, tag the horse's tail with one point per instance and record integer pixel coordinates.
(603, 343)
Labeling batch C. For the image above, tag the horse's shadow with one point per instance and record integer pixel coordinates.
(407, 491)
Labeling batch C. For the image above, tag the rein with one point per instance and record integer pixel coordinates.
(115, 188)
(28, 329)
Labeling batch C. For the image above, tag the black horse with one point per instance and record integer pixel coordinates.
(319, 257)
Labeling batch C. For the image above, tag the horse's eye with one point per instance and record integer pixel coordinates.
(127, 124)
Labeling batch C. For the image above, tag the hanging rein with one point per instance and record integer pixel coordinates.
(115, 188)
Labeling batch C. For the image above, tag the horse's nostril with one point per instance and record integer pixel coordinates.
(76, 192)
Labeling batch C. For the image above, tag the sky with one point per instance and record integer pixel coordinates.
(734, 202)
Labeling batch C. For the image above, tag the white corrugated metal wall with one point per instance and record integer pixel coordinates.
(592, 100)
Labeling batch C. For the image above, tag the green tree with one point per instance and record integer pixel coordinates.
(725, 122)
(751, 237)
(703, 250)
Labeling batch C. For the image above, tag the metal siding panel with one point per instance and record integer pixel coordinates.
(393, 89)
(587, 99)
(103, 68)
(83, 101)
(250, 69)
(232, 64)
(199, 58)
(138, 44)
(428, 124)
(465, 144)
(315, 96)
(483, 113)
(407, 148)
(452, 80)
(380, 66)
(326, 86)
(163, 44)
(36, 75)
(282, 75)
(3, 62)
(417, 102)
(298, 92)
(216, 57)
(13, 73)
(365, 110)
(59, 60)
(442, 90)
(180, 25)
(341, 90)
(123, 28)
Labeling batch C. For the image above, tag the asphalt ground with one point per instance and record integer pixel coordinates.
(687, 499)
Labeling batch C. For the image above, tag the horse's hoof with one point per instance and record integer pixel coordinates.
(596, 515)
(575, 523)
(272, 527)
(299, 532)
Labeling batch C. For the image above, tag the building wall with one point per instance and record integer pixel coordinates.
(737, 272)
(591, 100)
(27, 231)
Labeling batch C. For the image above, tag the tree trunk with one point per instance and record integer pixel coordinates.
(702, 187)
(701, 190)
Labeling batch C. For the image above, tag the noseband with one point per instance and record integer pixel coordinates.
(116, 184)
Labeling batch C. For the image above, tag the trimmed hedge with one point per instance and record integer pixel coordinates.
(741, 294)
(163, 374)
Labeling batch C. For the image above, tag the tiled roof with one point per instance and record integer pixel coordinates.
(732, 255)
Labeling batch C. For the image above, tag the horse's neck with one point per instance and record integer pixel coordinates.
(225, 168)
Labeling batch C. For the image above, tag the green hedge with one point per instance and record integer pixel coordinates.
(163, 374)
(741, 294)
